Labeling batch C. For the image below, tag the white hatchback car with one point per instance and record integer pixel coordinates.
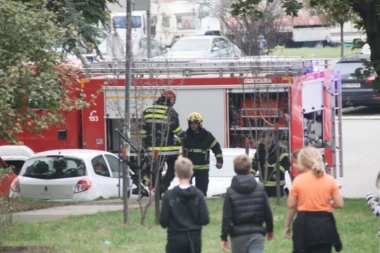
(70, 175)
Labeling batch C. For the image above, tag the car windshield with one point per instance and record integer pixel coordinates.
(120, 22)
(55, 167)
(17, 165)
(347, 68)
(191, 45)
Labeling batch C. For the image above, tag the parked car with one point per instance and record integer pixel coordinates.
(15, 156)
(356, 92)
(139, 47)
(220, 180)
(6, 178)
(204, 46)
(69, 175)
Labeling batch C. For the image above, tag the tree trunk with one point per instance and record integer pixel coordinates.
(368, 12)
(341, 39)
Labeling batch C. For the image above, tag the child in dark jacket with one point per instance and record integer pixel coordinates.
(246, 208)
(184, 212)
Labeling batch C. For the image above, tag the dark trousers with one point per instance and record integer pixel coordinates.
(320, 249)
(184, 243)
(169, 175)
(201, 180)
(272, 191)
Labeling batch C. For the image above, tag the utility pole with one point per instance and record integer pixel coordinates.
(149, 33)
(127, 106)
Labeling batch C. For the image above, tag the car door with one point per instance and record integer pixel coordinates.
(106, 184)
(116, 166)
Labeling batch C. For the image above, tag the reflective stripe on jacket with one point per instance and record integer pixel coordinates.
(160, 124)
(197, 148)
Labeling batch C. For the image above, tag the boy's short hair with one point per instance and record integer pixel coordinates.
(184, 168)
(242, 164)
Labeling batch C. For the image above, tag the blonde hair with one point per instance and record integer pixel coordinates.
(183, 168)
(309, 158)
(242, 164)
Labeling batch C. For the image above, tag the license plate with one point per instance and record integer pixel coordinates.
(351, 85)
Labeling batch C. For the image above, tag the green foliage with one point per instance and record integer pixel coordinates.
(251, 7)
(29, 75)
(367, 13)
(82, 18)
(334, 12)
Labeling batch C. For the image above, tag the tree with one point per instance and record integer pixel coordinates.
(35, 90)
(267, 25)
(83, 16)
(368, 12)
(336, 13)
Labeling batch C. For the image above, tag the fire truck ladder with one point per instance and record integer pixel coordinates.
(336, 114)
(265, 66)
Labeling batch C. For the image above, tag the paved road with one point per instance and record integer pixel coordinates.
(361, 156)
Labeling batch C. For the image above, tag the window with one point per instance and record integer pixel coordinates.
(120, 22)
(185, 22)
(223, 43)
(215, 43)
(115, 165)
(17, 165)
(348, 68)
(54, 167)
(166, 21)
(156, 45)
(100, 166)
(191, 45)
(143, 43)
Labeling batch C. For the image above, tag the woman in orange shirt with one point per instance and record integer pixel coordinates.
(313, 196)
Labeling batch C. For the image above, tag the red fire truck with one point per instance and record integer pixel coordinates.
(238, 99)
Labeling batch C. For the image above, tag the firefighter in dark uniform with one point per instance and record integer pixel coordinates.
(259, 164)
(160, 125)
(197, 145)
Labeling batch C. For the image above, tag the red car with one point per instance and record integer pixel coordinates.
(5, 180)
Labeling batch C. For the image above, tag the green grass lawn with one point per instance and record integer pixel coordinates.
(323, 52)
(356, 224)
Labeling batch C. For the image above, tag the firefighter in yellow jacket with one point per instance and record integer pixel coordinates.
(160, 126)
(261, 157)
(197, 145)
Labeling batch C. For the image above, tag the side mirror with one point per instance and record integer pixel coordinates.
(215, 49)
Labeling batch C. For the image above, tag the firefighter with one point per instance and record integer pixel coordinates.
(259, 164)
(160, 121)
(197, 145)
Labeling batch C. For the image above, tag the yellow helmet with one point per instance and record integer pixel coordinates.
(194, 116)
